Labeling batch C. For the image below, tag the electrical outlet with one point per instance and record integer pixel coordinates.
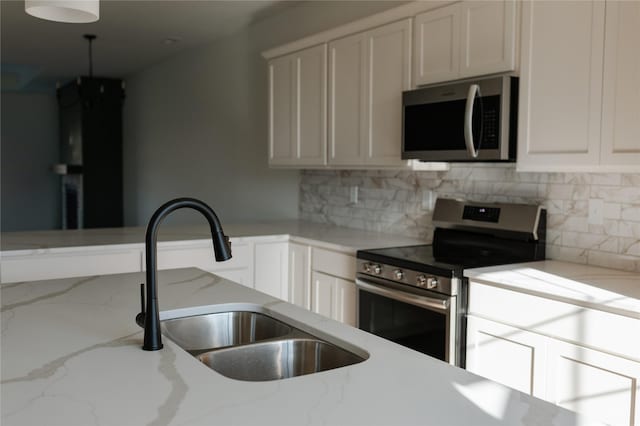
(596, 211)
(428, 199)
(353, 195)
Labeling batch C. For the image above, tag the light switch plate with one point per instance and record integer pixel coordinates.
(428, 199)
(596, 211)
(353, 195)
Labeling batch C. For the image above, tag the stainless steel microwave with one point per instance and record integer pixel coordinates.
(472, 120)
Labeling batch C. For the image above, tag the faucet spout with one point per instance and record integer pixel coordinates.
(221, 247)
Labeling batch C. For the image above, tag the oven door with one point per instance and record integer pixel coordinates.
(421, 320)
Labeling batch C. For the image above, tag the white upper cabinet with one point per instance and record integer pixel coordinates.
(347, 84)
(488, 39)
(297, 108)
(437, 45)
(465, 39)
(621, 88)
(579, 86)
(367, 73)
(560, 84)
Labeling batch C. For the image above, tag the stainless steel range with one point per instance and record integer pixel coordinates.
(417, 295)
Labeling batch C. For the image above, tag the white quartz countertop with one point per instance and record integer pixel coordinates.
(71, 356)
(589, 286)
(331, 236)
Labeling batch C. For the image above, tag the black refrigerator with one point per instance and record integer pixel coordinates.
(91, 152)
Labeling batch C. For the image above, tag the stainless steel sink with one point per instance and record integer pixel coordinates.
(253, 346)
(206, 332)
(278, 360)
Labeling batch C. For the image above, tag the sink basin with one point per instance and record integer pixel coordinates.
(278, 359)
(253, 346)
(210, 331)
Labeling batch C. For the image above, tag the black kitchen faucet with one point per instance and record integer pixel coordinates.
(150, 318)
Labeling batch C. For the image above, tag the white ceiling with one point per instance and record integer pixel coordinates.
(131, 36)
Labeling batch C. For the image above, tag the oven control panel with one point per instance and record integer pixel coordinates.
(413, 278)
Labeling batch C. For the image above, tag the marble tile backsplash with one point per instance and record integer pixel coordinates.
(394, 201)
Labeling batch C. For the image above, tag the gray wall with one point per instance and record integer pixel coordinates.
(196, 125)
(30, 193)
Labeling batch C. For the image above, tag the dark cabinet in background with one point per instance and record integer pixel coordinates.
(91, 152)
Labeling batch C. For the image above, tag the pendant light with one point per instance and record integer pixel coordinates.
(71, 11)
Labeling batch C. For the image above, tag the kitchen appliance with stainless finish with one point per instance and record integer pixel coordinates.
(417, 295)
(472, 120)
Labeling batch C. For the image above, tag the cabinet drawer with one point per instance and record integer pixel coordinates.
(67, 265)
(201, 256)
(333, 263)
(585, 326)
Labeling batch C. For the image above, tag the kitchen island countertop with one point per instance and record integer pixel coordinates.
(333, 237)
(71, 354)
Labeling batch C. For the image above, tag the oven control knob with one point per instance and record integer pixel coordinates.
(421, 280)
(398, 274)
(432, 282)
(377, 269)
(366, 267)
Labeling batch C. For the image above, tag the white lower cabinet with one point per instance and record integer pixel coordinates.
(333, 297)
(271, 268)
(299, 275)
(333, 287)
(240, 276)
(599, 385)
(321, 289)
(506, 354)
(344, 301)
(66, 263)
(556, 351)
(200, 254)
(272, 265)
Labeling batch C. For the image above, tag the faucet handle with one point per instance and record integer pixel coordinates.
(140, 317)
(142, 298)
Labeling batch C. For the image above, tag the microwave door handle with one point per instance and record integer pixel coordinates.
(474, 90)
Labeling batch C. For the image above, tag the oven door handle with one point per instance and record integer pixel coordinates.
(413, 299)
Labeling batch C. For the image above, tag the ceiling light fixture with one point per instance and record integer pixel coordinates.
(71, 11)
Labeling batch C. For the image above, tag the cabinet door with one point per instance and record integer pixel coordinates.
(507, 355)
(299, 279)
(598, 385)
(311, 106)
(344, 302)
(560, 85)
(282, 149)
(488, 41)
(389, 73)
(240, 276)
(621, 106)
(199, 254)
(437, 45)
(297, 108)
(271, 260)
(321, 293)
(347, 91)
(333, 297)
